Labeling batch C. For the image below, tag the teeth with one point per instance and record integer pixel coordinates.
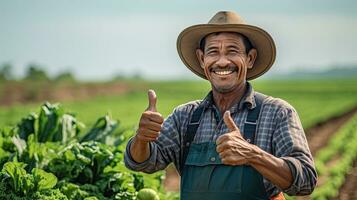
(223, 72)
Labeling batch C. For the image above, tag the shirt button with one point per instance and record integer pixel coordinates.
(213, 159)
(248, 140)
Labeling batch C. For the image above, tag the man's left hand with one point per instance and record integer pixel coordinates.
(232, 147)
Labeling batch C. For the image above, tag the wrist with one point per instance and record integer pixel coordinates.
(139, 142)
(139, 150)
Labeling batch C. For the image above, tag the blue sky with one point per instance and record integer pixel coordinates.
(102, 38)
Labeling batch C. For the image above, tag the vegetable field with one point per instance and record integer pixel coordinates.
(74, 150)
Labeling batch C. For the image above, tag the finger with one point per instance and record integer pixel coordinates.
(152, 100)
(219, 140)
(227, 161)
(153, 116)
(219, 148)
(151, 134)
(229, 121)
(233, 160)
(146, 131)
(152, 126)
(146, 139)
(226, 153)
(224, 146)
(222, 138)
(156, 117)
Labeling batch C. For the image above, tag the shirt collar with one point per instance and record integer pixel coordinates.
(247, 100)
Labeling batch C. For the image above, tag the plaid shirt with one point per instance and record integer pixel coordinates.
(279, 132)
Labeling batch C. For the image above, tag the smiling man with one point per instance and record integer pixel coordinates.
(235, 143)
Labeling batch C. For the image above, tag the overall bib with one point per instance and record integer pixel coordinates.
(204, 177)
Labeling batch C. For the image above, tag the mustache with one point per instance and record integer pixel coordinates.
(229, 67)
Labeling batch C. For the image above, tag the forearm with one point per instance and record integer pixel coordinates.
(139, 150)
(147, 159)
(276, 170)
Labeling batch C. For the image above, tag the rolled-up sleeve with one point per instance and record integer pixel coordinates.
(163, 151)
(290, 144)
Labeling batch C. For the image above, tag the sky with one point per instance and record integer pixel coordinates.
(99, 39)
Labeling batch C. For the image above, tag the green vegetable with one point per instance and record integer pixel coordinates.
(48, 122)
(43, 180)
(15, 178)
(16, 175)
(102, 128)
(27, 126)
(47, 162)
(147, 194)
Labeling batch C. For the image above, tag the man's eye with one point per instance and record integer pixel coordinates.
(212, 52)
(233, 51)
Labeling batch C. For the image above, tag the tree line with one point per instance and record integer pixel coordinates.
(34, 72)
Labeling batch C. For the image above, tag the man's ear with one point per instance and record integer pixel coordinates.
(252, 56)
(199, 54)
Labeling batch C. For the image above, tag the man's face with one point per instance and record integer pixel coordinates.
(225, 61)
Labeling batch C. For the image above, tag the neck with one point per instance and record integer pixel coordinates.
(226, 100)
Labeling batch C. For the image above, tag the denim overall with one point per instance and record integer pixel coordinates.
(204, 177)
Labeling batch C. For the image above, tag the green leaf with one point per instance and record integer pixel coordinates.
(43, 180)
(48, 122)
(27, 126)
(103, 127)
(20, 181)
(68, 129)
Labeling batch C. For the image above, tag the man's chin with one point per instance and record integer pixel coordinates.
(223, 89)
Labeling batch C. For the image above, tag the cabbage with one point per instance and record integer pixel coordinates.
(147, 194)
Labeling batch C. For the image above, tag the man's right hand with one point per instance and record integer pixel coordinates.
(150, 121)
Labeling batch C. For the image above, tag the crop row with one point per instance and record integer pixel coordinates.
(335, 160)
(343, 148)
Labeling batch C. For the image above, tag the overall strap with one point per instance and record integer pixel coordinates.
(250, 124)
(191, 132)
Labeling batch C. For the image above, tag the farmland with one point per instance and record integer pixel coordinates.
(316, 101)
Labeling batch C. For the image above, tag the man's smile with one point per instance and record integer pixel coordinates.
(224, 71)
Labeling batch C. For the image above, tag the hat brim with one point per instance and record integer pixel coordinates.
(188, 43)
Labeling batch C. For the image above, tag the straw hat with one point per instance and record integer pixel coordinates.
(225, 21)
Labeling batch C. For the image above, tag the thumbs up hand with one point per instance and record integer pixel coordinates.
(232, 147)
(150, 121)
(152, 101)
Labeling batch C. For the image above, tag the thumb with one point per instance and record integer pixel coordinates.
(229, 121)
(152, 100)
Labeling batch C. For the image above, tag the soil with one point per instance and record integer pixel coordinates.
(348, 191)
(319, 135)
(31, 92)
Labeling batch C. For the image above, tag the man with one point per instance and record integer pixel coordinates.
(236, 143)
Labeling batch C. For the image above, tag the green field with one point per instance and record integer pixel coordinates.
(59, 161)
(315, 101)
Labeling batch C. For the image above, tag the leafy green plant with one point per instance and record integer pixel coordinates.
(46, 147)
(19, 183)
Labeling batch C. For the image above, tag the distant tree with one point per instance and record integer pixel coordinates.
(65, 76)
(120, 76)
(35, 73)
(6, 72)
(137, 76)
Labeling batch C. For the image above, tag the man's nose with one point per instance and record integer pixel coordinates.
(222, 61)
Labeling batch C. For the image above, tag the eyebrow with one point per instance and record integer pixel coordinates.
(211, 47)
(233, 46)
